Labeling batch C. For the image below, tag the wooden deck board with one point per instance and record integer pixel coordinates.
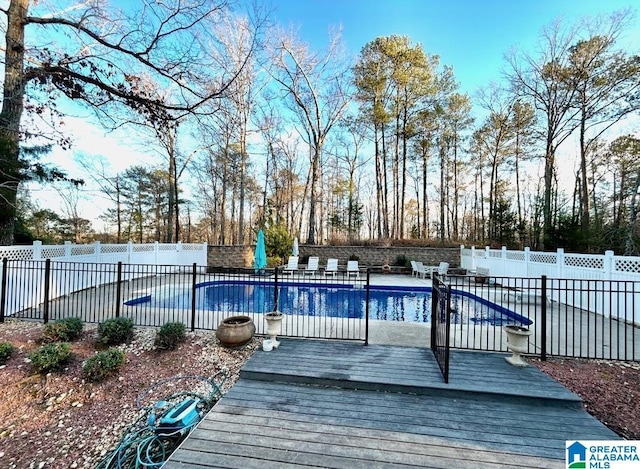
(342, 405)
(396, 369)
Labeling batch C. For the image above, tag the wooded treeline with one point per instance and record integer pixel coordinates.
(252, 128)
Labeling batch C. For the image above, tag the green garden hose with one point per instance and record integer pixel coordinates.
(145, 444)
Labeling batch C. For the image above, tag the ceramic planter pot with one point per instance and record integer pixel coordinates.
(274, 326)
(517, 342)
(235, 331)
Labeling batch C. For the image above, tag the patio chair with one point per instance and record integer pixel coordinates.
(292, 265)
(414, 269)
(332, 267)
(422, 270)
(443, 268)
(353, 269)
(312, 265)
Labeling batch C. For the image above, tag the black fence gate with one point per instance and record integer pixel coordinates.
(441, 324)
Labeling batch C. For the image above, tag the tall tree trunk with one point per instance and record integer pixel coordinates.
(379, 187)
(12, 107)
(403, 171)
(385, 193)
(118, 210)
(443, 204)
(425, 200)
(171, 202)
(584, 188)
(311, 237)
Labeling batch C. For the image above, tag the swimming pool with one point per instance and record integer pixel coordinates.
(401, 304)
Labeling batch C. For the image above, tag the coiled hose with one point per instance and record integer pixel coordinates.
(142, 445)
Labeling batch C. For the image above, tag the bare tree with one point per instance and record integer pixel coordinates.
(541, 79)
(104, 61)
(315, 86)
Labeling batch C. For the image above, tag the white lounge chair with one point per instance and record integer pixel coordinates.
(312, 265)
(292, 265)
(414, 269)
(443, 268)
(332, 267)
(353, 269)
(422, 270)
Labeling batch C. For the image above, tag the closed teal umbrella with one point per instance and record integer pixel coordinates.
(260, 254)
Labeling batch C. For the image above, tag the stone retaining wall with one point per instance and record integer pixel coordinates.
(242, 256)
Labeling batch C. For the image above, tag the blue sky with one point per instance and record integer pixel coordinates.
(470, 35)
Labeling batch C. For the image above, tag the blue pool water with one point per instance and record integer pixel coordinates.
(388, 303)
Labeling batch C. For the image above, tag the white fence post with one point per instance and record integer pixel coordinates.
(97, 251)
(609, 265)
(527, 260)
(37, 250)
(474, 266)
(503, 256)
(67, 250)
(560, 263)
(130, 252)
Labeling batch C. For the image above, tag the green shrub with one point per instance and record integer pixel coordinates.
(102, 364)
(402, 261)
(51, 357)
(170, 336)
(62, 330)
(115, 331)
(278, 242)
(6, 349)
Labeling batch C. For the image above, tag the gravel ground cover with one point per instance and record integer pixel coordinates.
(60, 421)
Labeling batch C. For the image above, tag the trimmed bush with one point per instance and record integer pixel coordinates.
(102, 364)
(6, 349)
(402, 261)
(115, 331)
(51, 357)
(62, 330)
(170, 335)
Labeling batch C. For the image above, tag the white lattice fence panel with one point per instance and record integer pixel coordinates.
(627, 264)
(584, 261)
(194, 247)
(16, 253)
(52, 252)
(113, 248)
(583, 266)
(83, 250)
(515, 255)
(544, 257)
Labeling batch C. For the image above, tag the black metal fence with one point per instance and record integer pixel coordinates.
(316, 305)
(569, 317)
(441, 324)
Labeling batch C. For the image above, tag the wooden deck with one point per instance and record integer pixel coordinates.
(343, 405)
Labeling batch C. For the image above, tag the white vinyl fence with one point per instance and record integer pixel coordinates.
(94, 266)
(603, 283)
(151, 254)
